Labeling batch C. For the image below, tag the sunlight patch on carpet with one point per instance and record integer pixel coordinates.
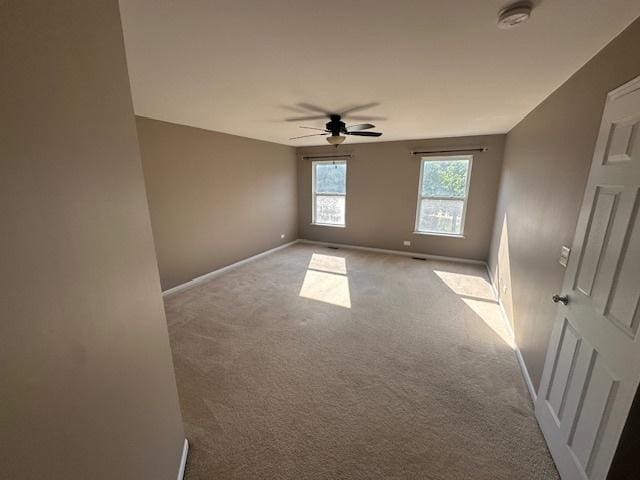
(476, 292)
(465, 284)
(326, 287)
(326, 280)
(490, 314)
(328, 263)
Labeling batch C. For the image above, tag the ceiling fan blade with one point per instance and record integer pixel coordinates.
(313, 108)
(365, 134)
(362, 126)
(304, 119)
(312, 135)
(359, 107)
(366, 118)
(314, 128)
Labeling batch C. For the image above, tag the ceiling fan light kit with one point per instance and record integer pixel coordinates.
(336, 139)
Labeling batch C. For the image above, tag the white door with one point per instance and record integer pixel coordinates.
(592, 368)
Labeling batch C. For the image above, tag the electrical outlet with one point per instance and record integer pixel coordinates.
(407, 243)
(282, 235)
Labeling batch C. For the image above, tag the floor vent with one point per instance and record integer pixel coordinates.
(333, 248)
(420, 258)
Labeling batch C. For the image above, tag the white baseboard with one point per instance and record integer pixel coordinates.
(527, 377)
(215, 273)
(210, 275)
(394, 252)
(183, 460)
(505, 318)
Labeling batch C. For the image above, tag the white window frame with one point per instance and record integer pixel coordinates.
(338, 161)
(465, 199)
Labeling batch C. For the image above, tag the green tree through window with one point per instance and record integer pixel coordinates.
(445, 178)
(443, 191)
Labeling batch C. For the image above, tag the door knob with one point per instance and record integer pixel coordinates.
(560, 298)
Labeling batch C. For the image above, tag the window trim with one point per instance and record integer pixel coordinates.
(338, 160)
(465, 199)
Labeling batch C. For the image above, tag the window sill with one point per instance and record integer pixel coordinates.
(327, 225)
(435, 234)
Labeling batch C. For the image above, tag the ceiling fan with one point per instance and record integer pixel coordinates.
(335, 130)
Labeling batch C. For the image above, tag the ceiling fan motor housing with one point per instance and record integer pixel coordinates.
(336, 126)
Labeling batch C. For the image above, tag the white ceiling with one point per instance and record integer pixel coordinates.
(434, 68)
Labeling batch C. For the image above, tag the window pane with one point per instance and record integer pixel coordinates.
(330, 209)
(331, 178)
(445, 178)
(441, 216)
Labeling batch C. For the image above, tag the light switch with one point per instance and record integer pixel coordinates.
(564, 255)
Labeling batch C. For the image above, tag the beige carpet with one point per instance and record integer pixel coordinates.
(313, 363)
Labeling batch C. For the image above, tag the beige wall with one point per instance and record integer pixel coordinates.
(547, 157)
(87, 389)
(214, 198)
(382, 194)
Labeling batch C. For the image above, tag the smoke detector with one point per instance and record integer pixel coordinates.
(514, 15)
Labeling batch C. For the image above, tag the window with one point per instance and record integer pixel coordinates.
(442, 198)
(329, 192)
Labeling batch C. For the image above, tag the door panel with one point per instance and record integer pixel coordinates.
(569, 347)
(599, 393)
(592, 369)
(621, 138)
(624, 295)
(576, 388)
(596, 236)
